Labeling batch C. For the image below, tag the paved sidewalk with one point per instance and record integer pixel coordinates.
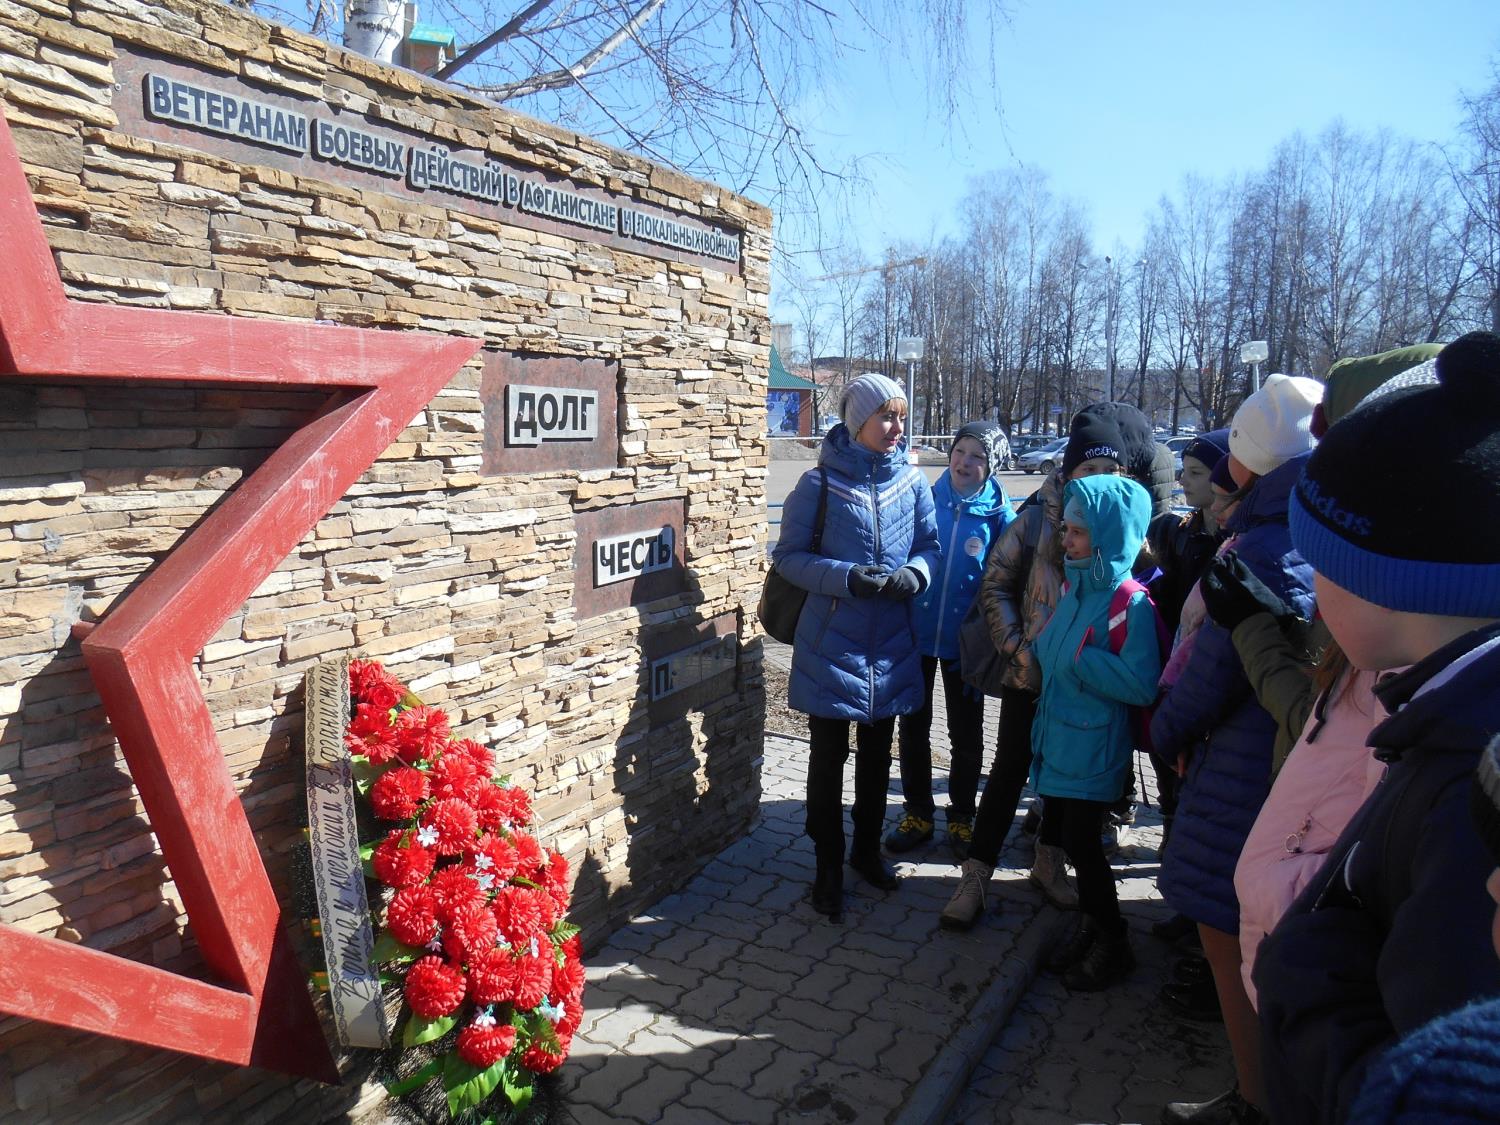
(732, 1001)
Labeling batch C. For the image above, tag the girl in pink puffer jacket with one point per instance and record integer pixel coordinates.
(1327, 776)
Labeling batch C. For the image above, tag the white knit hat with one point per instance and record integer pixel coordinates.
(1274, 424)
(864, 396)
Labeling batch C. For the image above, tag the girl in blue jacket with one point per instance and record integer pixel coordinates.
(972, 511)
(1083, 735)
(854, 655)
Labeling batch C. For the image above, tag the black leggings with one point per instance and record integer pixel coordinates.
(1075, 825)
(965, 735)
(827, 753)
(1008, 773)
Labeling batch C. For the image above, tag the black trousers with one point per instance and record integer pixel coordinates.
(965, 733)
(1008, 773)
(1074, 824)
(828, 752)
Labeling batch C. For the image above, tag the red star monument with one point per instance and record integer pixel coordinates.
(141, 655)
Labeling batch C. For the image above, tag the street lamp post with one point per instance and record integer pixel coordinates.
(908, 350)
(1254, 353)
(1109, 322)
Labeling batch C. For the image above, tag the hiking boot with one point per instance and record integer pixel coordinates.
(1229, 1108)
(960, 835)
(1191, 969)
(874, 870)
(967, 903)
(1049, 875)
(912, 830)
(1108, 960)
(1074, 946)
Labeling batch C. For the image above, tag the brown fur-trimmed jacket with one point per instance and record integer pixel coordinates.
(1022, 583)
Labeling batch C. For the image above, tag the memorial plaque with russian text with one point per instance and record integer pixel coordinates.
(688, 666)
(629, 554)
(549, 412)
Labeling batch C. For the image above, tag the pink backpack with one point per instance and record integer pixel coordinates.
(1119, 602)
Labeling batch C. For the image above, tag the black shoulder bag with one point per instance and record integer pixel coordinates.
(780, 601)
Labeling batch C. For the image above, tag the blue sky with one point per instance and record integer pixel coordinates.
(1116, 100)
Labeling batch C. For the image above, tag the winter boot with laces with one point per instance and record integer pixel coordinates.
(912, 831)
(1073, 948)
(1049, 875)
(960, 834)
(1107, 961)
(967, 903)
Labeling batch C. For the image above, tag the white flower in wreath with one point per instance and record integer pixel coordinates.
(485, 1018)
(485, 880)
(483, 862)
(553, 1012)
(427, 836)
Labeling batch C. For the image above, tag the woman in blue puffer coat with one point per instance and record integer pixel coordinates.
(855, 656)
(972, 511)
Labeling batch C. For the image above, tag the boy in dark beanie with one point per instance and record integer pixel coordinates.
(1115, 437)
(1449, 1071)
(1396, 929)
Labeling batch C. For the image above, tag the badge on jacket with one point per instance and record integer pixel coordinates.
(974, 546)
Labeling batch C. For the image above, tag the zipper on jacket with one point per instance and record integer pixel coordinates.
(874, 617)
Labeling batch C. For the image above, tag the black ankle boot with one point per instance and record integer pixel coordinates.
(874, 870)
(1229, 1108)
(1107, 961)
(827, 895)
(1073, 947)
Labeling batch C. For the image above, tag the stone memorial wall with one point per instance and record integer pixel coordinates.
(562, 549)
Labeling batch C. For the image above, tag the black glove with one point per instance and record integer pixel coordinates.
(867, 581)
(1232, 594)
(903, 584)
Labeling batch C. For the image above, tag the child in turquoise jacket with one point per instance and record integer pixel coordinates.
(1083, 735)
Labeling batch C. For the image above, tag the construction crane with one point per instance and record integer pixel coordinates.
(885, 267)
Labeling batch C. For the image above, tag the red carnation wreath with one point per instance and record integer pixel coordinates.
(473, 929)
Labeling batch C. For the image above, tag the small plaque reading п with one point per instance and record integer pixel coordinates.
(690, 665)
(548, 412)
(629, 554)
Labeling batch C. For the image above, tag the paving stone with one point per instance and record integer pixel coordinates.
(727, 1103)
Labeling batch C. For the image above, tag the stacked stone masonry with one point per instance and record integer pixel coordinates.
(461, 581)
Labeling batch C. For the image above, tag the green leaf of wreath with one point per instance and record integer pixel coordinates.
(467, 1085)
(419, 1030)
(365, 773)
(388, 949)
(562, 932)
(518, 1088)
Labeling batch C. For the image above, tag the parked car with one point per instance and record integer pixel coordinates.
(1178, 445)
(1044, 458)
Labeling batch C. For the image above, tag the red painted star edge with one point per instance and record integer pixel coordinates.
(141, 655)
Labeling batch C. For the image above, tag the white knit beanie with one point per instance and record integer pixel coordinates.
(1275, 423)
(864, 396)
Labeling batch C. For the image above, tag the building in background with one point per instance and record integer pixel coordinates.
(789, 401)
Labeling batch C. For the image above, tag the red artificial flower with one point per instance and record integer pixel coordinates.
(470, 929)
(519, 915)
(412, 916)
(567, 983)
(484, 1042)
(533, 976)
(516, 805)
(573, 948)
(399, 861)
(370, 683)
(453, 888)
(530, 855)
(434, 988)
(454, 822)
(493, 975)
(455, 776)
(370, 733)
(539, 1060)
(555, 879)
(490, 806)
(421, 734)
(500, 858)
(477, 753)
(399, 792)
